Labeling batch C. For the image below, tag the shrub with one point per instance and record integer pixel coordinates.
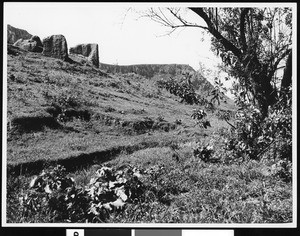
(66, 107)
(205, 153)
(56, 194)
(67, 100)
(110, 190)
(109, 109)
(183, 90)
(283, 169)
(255, 134)
(200, 115)
(44, 190)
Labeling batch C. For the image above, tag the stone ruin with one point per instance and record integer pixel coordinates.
(52, 46)
(55, 46)
(90, 51)
(33, 44)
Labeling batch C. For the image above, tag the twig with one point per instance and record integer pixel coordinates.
(230, 124)
(265, 149)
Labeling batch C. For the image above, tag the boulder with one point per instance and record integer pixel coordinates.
(55, 46)
(33, 44)
(14, 34)
(87, 50)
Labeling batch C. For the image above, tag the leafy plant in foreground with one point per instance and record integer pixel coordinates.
(110, 190)
(205, 153)
(57, 195)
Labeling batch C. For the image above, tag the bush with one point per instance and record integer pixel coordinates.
(255, 135)
(205, 153)
(200, 115)
(110, 190)
(66, 107)
(283, 169)
(56, 194)
(183, 90)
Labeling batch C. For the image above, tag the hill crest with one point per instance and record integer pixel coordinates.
(13, 34)
(147, 70)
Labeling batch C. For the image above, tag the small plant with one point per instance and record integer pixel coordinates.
(68, 100)
(200, 115)
(225, 115)
(49, 192)
(174, 147)
(283, 169)
(204, 152)
(184, 90)
(65, 107)
(160, 118)
(109, 109)
(110, 190)
(178, 122)
(56, 194)
(218, 93)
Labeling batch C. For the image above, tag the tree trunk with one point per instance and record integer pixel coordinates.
(266, 94)
(261, 87)
(287, 75)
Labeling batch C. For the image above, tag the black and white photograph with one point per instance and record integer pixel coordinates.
(149, 114)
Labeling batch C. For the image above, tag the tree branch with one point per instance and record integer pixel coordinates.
(187, 25)
(283, 55)
(162, 19)
(274, 67)
(287, 74)
(227, 44)
(177, 16)
(244, 12)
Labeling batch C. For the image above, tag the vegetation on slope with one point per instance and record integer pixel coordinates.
(163, 166)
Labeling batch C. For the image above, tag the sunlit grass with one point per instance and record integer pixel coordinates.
(188, 190)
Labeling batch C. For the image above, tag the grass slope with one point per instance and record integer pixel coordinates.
(125, 119)
(117, 103)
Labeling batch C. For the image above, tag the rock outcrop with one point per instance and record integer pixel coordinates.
(148, 70)
(55, 46)
(90, 51)
(14, 34)
(33, 44)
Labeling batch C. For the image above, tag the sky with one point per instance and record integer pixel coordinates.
(122, 35)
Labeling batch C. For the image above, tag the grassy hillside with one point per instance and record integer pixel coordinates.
(83, 118)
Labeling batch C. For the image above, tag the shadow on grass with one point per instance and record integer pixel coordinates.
(74, 163)
(28, 124)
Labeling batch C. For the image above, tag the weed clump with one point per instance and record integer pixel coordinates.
(56, 194)
(67, 107)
